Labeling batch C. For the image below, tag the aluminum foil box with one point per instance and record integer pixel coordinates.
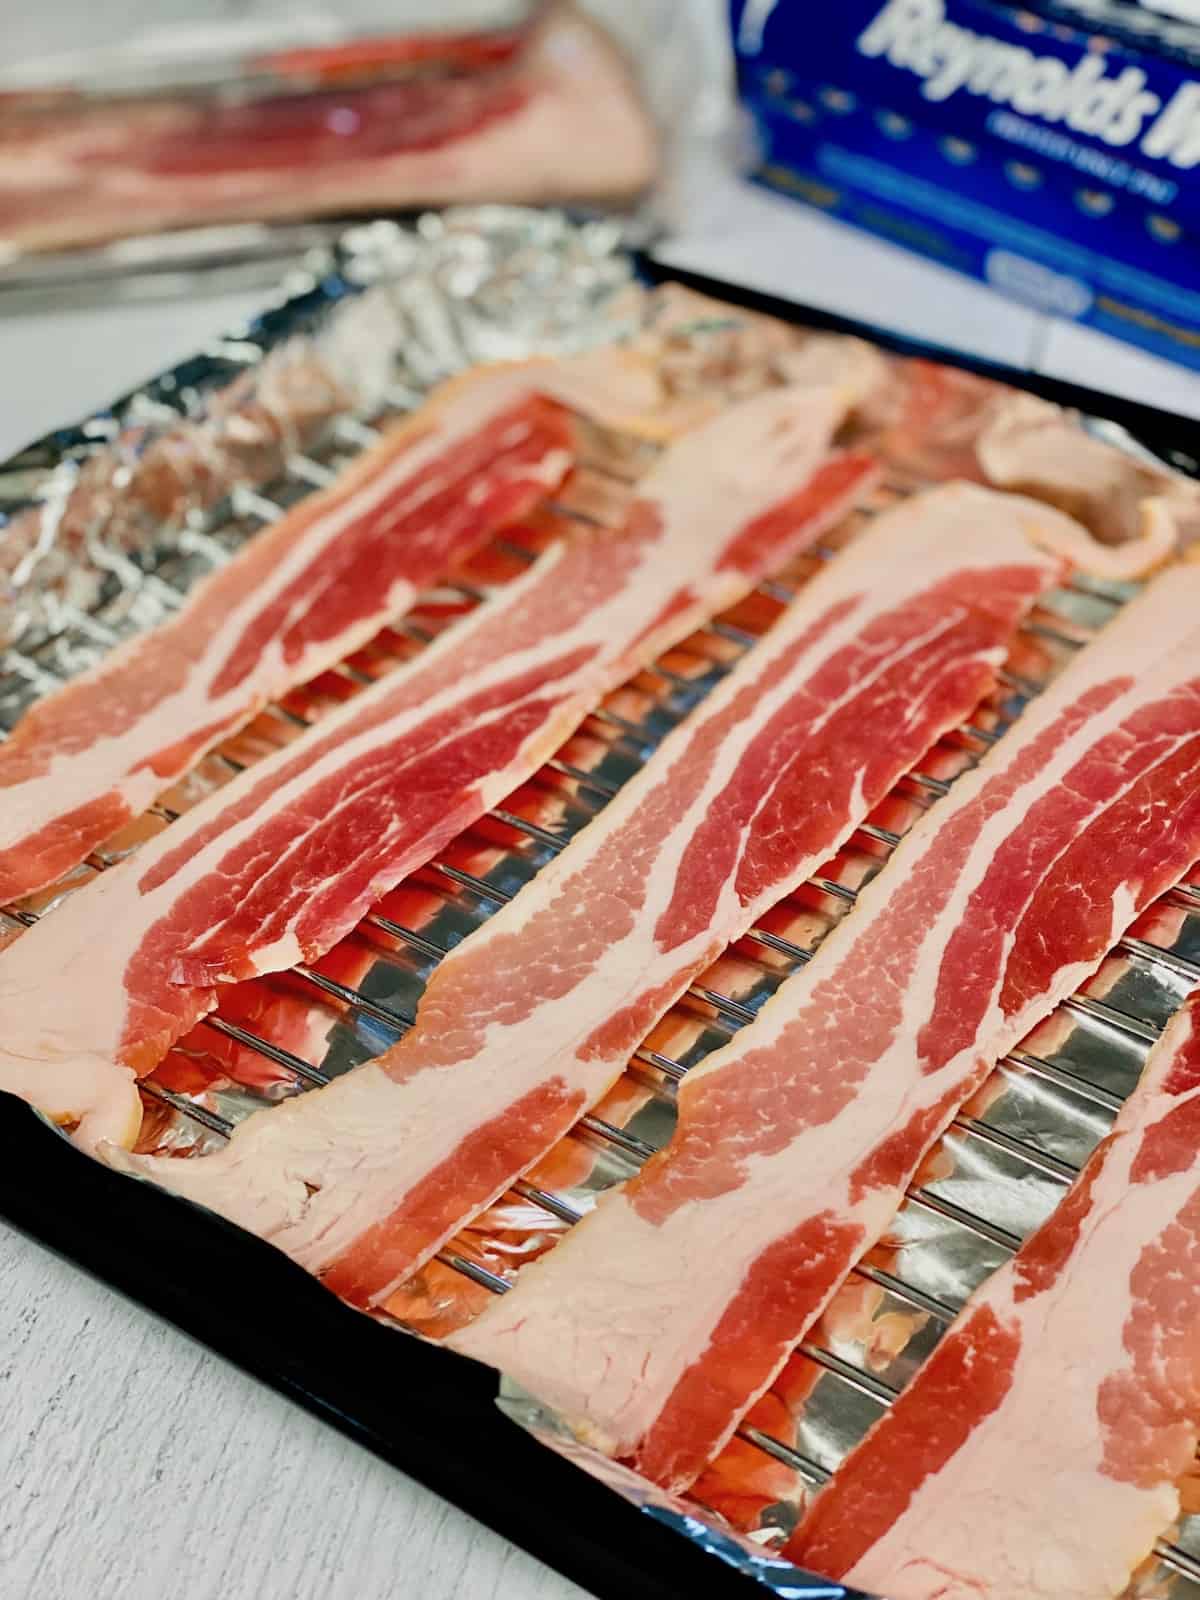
(1052, 151)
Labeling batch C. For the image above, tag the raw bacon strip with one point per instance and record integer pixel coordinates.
(928, 421)
(931, 419)
(662, 1317)
(300, 596)
(284, 860)
(530, 1021)
(993, 1475)
(1040, 449)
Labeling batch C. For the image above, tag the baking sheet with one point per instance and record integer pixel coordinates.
(492, 281)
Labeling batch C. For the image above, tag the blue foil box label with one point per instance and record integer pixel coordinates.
(1022, 147)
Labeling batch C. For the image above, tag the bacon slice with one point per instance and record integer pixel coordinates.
(300, 596)
(531, 1020)
(662, 1317)
(1040, 449)
(926, 420)
(1067, 1484)
(284, 860)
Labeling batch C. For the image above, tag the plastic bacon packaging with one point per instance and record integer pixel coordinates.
(203, 124)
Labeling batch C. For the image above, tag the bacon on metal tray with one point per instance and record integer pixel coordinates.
(281, 862)
(1040, 1449)
(302, 595)
(663, 1316)
(530, 1021)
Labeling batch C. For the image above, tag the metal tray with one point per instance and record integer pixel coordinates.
(414, 1404)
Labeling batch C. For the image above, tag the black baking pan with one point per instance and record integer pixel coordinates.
(424, 1409)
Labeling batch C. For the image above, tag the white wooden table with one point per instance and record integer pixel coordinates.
(134, 1464)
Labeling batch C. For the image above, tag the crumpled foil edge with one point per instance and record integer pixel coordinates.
(763, 1566)
(96, 507)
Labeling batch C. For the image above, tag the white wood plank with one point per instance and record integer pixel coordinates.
(134, 1463)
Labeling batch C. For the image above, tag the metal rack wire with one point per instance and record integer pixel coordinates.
(1003, 1163)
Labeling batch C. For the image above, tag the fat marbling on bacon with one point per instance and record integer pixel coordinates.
(1138, 510)
(1038, 1451)
(662, 1316)
(531, 1020)
(927, 420)
(282, 862)
(298, 597)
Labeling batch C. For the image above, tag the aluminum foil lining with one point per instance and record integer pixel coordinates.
(92, 517)
(122, 513)
(778, 1577)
